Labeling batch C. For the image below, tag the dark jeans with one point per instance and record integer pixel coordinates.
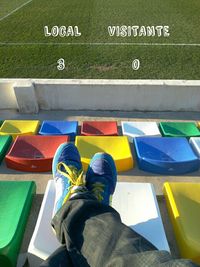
(93, 235)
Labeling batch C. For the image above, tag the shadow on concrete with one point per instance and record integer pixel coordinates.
(35, 208)
(168, 227)
(81, 115)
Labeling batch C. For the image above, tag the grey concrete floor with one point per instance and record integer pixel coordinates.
(134, 175)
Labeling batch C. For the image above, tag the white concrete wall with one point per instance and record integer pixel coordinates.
(118, 95)
(125, 95)
(7, 95)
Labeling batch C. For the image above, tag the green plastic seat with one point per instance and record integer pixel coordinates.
(5, 142)
(15, 203)
(1, 122)
(179, 129)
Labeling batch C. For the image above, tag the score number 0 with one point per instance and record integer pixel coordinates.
(136, 64)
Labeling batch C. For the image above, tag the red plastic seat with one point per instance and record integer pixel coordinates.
(99, 128)
(33, 153)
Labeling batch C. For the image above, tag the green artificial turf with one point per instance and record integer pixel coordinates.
(9, 6)
(33, 58)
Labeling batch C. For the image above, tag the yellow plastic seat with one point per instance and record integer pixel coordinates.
(19, 127)
(183, 203)
(117, 146)
(198, 124)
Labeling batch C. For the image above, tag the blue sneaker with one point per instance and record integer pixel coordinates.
(67, 174)
(101, 177)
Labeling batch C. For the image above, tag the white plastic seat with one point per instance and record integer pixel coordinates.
(195, 143)
(138, 207)
(136, 203)
(43, 241)
(139, 128)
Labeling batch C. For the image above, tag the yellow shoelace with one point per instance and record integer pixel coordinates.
(97, 190)
(75, 177)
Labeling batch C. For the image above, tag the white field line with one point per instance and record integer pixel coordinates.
(95, 44)
(15, 10)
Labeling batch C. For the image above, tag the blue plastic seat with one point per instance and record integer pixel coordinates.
(165, 155)
(69, 128)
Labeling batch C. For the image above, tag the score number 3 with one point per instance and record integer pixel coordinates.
(61, 64)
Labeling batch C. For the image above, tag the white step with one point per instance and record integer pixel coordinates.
(136, 203)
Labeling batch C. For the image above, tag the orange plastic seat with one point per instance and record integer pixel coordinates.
(33, 153)
(99, 128)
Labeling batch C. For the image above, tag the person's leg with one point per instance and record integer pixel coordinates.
(60, 258)
(92, 230)
(94, 236)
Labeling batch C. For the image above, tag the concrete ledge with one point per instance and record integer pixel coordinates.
(25, 95)
(7, 95)
(123, 95)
